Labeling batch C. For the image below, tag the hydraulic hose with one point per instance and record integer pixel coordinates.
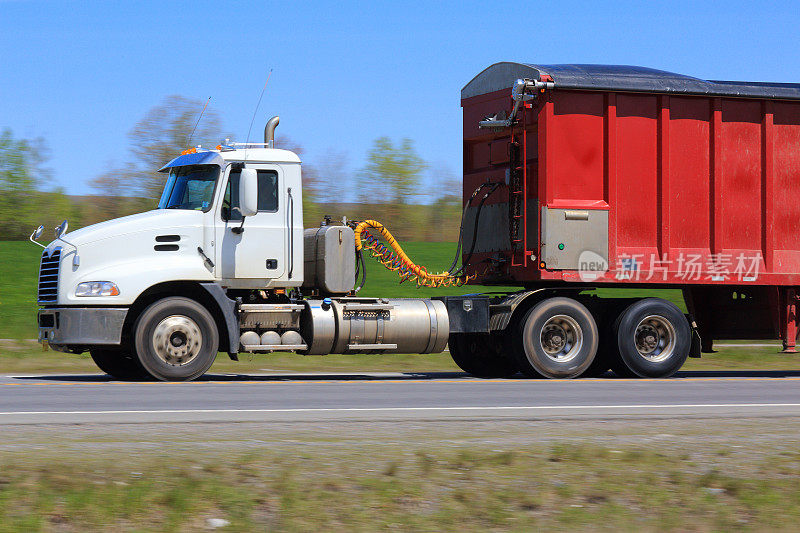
(397, 260)
(475, 230)
(361, 268)
(461, 226)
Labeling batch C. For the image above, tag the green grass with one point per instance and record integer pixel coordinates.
(564, 486)
(673, 295)
(19, 270)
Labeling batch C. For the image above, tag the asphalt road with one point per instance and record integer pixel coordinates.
(69, 399)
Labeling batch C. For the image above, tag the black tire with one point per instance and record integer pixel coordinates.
(176, 339)
(482, 355)
(654, 339)
(562, 324)
(118, 364)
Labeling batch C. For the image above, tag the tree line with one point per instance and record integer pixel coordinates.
(394, 186)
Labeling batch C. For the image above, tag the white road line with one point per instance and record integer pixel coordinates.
(400, 409)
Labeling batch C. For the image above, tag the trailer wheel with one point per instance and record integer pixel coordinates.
(118, 364)
(654, 339)
(482, 356)
(557, 338)
(176, 339)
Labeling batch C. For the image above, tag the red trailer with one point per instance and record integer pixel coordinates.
(598, 175)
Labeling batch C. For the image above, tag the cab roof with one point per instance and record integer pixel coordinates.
(221, 157)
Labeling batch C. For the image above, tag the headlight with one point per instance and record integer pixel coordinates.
(97, 288)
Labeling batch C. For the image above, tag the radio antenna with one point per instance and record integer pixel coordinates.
(255, 111)
(189, 142)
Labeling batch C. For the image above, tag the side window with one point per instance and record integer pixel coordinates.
(267, 190)
(267, 194)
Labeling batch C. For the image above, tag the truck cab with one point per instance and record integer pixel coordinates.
(199, 240)
(256, 251)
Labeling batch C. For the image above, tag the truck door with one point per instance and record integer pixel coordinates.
(259, 251)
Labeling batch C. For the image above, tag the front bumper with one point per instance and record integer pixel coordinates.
(81, 325)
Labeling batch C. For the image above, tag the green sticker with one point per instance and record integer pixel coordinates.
(561, 246)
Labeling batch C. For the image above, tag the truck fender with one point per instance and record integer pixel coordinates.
(228, 308)
(500, 313)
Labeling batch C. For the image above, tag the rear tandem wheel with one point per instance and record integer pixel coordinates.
(653, 339)
(557, 338)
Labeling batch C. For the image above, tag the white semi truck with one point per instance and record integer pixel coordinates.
(223, 264)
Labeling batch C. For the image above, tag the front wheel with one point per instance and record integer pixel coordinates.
(176, 339)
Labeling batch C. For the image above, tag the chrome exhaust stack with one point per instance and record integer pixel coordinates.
(269, 131)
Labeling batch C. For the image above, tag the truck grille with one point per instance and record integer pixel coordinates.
(48, 276)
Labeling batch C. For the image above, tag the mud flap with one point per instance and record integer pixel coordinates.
(228, 308)
(695, 349)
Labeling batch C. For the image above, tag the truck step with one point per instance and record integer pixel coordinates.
(270, 308)
(273, 347)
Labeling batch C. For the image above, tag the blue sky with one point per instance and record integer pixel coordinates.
(82, 73)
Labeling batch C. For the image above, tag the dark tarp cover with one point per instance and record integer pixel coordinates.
(622, 78)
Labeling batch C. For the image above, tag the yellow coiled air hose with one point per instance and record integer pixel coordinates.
(398, 261)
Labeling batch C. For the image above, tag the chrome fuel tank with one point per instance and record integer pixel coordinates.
(358, 325)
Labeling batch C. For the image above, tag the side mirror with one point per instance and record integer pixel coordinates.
(61, 229)
(35, 235)
(248, 192)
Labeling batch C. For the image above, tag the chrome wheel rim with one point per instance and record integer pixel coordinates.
(177, 340)
(561, 338)
(655, 338)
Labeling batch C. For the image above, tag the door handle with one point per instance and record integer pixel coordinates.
(290, 213)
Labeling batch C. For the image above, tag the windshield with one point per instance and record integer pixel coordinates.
(190, 187)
